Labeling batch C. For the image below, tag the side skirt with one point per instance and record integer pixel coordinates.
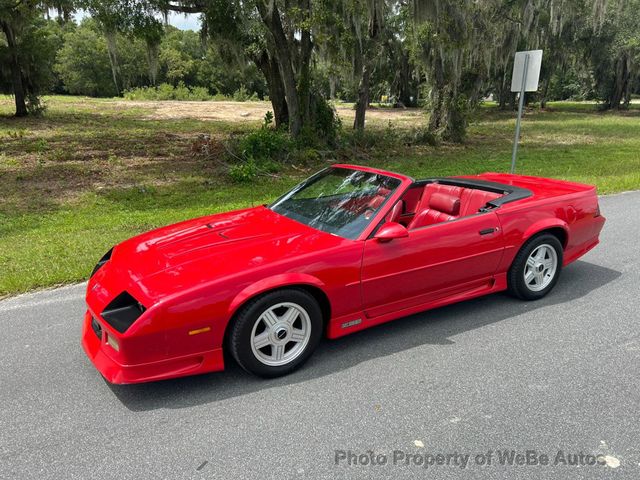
(339, 327)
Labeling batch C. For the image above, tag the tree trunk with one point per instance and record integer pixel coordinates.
(305, 59)
(621, 82)
(405, 96)
(17, 79)
(110, 36)
(545, 92)
(332, 86)
(271, 18)
(269, 68)
(153, 48)
(503, 95)
(363, 97)
(447, 118)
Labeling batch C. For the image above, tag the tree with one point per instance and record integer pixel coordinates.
(113, 17)
(613, 49)
(27, 54)
(369, 16)
(277, 37)
(83, 62)
(449, 39)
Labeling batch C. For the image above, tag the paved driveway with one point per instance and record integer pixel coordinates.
(492, 374)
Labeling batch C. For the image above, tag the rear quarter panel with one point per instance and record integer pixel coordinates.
(574, 213)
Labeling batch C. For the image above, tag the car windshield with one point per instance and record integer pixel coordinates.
(340, 201)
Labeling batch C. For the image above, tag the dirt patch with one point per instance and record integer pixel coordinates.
(255, 111)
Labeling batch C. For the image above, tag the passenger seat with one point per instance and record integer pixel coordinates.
(442, 207)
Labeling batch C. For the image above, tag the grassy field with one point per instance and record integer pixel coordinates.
(93, 172)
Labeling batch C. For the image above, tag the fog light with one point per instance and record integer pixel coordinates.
(113, 342)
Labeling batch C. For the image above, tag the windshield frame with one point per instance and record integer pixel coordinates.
(405, 182)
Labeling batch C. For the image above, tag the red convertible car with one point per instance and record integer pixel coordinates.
(349, 248)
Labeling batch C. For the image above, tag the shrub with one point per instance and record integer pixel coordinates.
(259, 152)
(421, 136)
(166, 91)
(265, 144)
(242, 95)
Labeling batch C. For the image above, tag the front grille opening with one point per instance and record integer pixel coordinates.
(122, 311)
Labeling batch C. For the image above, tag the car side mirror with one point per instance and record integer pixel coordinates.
(391, 230)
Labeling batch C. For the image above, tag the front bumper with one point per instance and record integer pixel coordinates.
(96, 348)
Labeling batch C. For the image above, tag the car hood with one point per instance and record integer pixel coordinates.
(213, 246)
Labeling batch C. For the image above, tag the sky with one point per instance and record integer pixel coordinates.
(179, 20)
(183, 21)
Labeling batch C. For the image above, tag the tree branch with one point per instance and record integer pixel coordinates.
(194, 7)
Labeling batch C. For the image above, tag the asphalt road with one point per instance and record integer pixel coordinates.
(495, 373)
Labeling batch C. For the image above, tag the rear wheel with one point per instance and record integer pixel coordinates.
(276, 333)
(536, 268)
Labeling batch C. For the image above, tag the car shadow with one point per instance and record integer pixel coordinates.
(434, 327)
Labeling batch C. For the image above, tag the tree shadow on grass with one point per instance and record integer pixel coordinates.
(434, 327)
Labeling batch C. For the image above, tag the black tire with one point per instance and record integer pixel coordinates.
(517, 285)
(242, 333)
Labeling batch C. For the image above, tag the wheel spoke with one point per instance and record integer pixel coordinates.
(261, 340)
(277, 352)
(297, 335)
(290, 316)
(531, 262)
(541, 254)
(528, 276)
(269, 318)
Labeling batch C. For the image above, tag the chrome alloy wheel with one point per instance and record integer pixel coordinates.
(280, 334)
(541, 267)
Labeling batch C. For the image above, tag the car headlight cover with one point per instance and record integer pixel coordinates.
(122, 312)
(105, 258)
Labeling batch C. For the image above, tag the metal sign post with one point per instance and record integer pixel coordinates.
(520, 106)
(526, 73)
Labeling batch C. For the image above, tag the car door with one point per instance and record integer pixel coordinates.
(433, 262)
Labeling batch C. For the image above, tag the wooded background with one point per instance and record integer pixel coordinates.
(443, 55)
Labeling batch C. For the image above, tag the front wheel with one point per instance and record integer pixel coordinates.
(536, 268)
(276, 333)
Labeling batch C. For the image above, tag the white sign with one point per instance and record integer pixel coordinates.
(532, 71)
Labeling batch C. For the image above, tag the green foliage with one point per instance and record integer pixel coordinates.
(324, 119)
(259, 152)
(83, 63)
(243, 95)
(166, 91)
(37, 42)
(186, 69)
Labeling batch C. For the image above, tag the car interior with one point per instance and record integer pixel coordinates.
(428, 203)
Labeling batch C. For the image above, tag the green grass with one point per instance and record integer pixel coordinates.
(93, 172)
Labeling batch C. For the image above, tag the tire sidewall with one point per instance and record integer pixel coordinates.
(516, 273)
(240, 340)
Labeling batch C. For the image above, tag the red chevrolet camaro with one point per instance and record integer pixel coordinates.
(347, 249)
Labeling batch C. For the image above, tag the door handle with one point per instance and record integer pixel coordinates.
(488, 231)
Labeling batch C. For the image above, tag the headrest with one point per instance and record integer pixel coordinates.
(445, 203)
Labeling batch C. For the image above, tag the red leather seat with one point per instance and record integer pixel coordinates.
(440, 203)
(442, 207)
(378, 198)
(473, 200)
